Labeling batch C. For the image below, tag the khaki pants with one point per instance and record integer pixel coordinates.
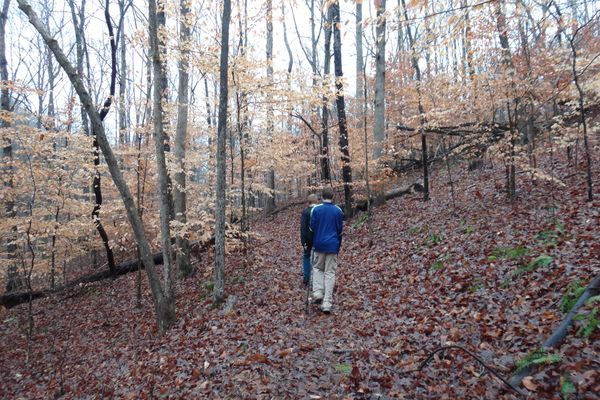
(323, 277)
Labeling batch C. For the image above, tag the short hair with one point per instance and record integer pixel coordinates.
(327, 193)
(312, 198)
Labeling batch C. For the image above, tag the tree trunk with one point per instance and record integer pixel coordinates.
(78, 29)
(325, 168)
(586, 145)
(156, 16)
(423, 134)
(164, 307)
(360, 92)
(123, 136)
(508, 68)
(180, 197)
(97, 183)
(13, 282)
(270, 204)
(341, 108)
(219, 272)
(379, 110)
(561, 331)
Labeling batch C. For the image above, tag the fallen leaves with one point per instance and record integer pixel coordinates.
(529, 384)
(390, 311)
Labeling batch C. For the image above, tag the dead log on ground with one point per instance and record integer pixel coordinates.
(361, 204)
(561, 332)
(13, 299)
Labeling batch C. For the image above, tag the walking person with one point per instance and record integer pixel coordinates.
(306, 237)
(326, 224)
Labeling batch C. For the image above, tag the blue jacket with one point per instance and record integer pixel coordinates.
(326, 223)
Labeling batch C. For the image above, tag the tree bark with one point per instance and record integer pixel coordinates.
(509, 70)
(561, 331)
(123, 135)
(156, 16)
(325, 168)
(270, 204)
(360, 93)
(180, 197)
(78, 29)
(13, 299)
(422, 132)
(219, 271)
(581, 102)
(341, 108)
(379, 110)
(97, 180)
(164, 307)
(13, 281)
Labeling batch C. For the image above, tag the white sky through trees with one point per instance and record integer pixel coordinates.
(27, 54)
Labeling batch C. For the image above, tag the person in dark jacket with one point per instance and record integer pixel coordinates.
(306, 237)
(326, 224)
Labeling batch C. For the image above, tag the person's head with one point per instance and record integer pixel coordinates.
(327, 193)
(312, 199)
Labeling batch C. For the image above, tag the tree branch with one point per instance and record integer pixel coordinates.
(476, 358)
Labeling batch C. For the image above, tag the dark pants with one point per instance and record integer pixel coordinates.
(306, 265)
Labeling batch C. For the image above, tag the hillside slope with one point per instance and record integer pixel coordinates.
(488, 276)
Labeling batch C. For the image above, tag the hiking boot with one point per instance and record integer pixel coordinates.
(326, 311)
(317, 301)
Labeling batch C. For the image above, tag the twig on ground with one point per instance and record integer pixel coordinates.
(476, 358)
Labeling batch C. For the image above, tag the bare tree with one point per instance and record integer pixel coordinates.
(512, 104)
(379, 110)
(325, 168)
(581, 95)
(421, 109)
(180, 197)
(123, 117)
(13, 281)
(78, 28)
(219, 272)
(341, 108)
(360, 92)
(270, 205)
(163, 304)
(156, 17)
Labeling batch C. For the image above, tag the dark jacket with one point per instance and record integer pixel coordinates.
(326, 224)
(305, 233)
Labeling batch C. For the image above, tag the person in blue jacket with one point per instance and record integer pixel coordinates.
(326, 224)
(306, 237)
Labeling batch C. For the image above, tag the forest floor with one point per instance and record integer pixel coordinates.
(488, 275)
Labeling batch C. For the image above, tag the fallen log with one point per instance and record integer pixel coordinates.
(561, 331)
(9, 300)
(13, 299)
(461, 130)
(409, 164)
(361, 204)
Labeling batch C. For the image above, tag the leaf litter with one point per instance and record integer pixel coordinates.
(434, 276)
